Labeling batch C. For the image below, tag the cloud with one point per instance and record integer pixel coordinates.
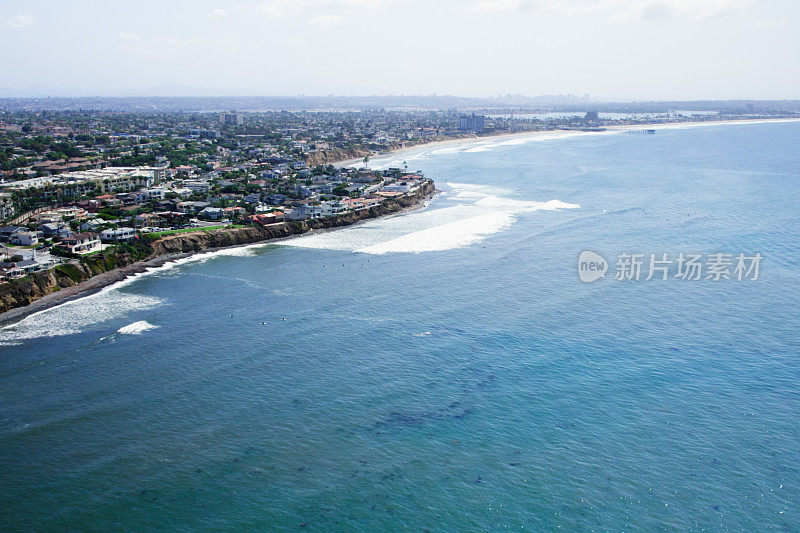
(326, 20)
(295, 8)
(224, 41)
(129, 37)
(624, 10)
(770, 23)
(691, 9)
(279, 8)
(218, 14)
(627, 10)
(500, 6)
(22, 20)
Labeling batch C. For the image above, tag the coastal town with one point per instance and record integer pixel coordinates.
(76, 184)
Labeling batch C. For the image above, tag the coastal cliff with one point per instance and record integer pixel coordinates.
(324, 157)
(200, 241)
(134, 258)
(24, 291)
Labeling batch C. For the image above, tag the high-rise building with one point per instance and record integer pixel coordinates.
(231, 118)
(473, 122)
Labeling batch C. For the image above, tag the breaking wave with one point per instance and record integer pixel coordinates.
(474, 212)
(137, 328)
(75, 316)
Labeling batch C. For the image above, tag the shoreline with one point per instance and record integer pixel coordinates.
(107, 279)
(91, 286)
(544, 134)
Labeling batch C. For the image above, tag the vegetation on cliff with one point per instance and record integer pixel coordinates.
(23, 291)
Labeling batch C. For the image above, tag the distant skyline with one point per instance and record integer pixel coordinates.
(611, 49)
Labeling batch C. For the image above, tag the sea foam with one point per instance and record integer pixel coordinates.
(109, 303)
(137, 328)
(77, 315)
(474, 213)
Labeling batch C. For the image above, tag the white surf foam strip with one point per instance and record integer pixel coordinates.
(107, 304)
(423, 151)
(705, 124)
(76, 315)
(137, 328)
(408, 155)
(446, 236)
(477, 212)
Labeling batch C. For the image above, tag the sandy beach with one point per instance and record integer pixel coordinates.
(554, 134)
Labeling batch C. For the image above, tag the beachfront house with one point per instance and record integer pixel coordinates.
(334, 207)
(18, 268)
(191, 207)
(401, 186)
(117, 234)
(212, 213)
(81, 243)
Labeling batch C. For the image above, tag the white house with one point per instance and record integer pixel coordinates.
(401, 186)
(155, 193)
(333, 207)
(24, 238)
(182, 192)
(6, 206)
(81, 243)
(212, 213)
(91, 224)
(117, 234)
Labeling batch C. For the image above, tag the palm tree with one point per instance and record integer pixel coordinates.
(366, 161)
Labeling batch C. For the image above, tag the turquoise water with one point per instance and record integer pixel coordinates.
(477, 387)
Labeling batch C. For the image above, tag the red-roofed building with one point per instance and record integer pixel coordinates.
(268, 218)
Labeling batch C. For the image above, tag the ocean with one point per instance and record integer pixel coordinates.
(445, 369)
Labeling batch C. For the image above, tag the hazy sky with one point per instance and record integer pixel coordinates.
(637, 49)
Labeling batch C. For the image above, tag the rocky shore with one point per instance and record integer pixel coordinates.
(42, 290)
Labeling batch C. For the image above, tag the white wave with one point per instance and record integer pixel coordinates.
(711, 123)
(380, 230)
(238, 251)
(137, 328)
(477, 149)
(446, 236)
(75, 316)
(555, 205)
(474, 190)
(477, 211)
(448, 150)
(396, 159)
(109, 303)
(499, 202)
